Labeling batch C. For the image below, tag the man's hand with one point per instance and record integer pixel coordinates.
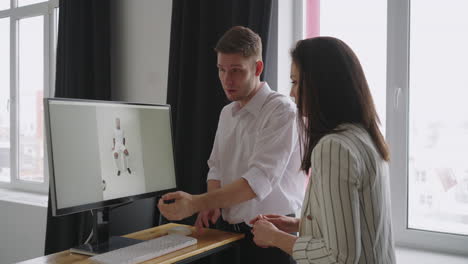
(264, 233)
(283, 223)
(183, 206)
(205, 216)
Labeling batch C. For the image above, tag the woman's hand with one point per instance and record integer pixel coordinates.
(264, 233)
(283, 223)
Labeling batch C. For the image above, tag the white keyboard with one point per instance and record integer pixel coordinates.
(146, 250)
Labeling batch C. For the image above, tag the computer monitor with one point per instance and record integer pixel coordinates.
(102, 154)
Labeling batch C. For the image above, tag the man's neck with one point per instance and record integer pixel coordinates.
(243, 103)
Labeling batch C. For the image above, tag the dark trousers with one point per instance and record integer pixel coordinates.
(249, 252)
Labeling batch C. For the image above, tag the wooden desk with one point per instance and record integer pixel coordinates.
(209, 242)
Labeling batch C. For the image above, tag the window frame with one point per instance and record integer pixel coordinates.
(47, 9)
(398, 76)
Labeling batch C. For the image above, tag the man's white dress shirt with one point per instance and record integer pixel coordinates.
(346, 214)
(259, 143)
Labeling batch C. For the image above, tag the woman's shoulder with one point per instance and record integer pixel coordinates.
(343, 144)
(346, 138)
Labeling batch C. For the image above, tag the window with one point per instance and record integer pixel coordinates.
(29, 2)
(5, 100)
(438, 130)
(429, 123)
(416, 72)
(28, 31)
(4, 4)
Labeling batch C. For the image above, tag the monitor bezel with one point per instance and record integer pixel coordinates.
(102, 204)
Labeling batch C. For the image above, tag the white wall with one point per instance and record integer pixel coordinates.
(140, 50)
(22, 231)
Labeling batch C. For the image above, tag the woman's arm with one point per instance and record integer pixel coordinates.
(284, 223)
(338, 196)
(268, 235)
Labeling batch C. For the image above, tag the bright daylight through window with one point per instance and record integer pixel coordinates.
(5, 100)
(28, 31)
(438, 128)
(31, 90)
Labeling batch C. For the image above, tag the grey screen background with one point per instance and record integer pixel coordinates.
(81, 142)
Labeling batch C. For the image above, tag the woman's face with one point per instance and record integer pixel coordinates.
(294, 81)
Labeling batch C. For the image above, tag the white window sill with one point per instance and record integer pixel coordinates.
(22, 197)
(409, 255)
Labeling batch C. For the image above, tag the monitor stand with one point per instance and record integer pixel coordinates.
(101, 242)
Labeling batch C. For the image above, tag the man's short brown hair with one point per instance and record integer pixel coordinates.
(242, 40)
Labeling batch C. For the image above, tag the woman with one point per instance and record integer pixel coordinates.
(346, 211)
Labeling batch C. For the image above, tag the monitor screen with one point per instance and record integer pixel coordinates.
(103, 153)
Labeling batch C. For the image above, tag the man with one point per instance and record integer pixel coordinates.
(255, 161)
(119, 148)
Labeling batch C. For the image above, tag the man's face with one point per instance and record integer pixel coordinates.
(238, 75)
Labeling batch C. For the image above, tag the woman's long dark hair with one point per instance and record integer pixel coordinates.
(332, 90)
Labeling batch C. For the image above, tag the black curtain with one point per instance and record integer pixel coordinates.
(83, 71)
(194, 90)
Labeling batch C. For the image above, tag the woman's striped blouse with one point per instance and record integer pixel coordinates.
(346, 214)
